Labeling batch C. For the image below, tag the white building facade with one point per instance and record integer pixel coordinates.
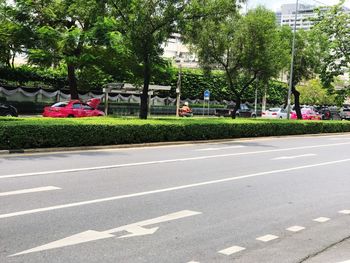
(180, 53)
(305, 13)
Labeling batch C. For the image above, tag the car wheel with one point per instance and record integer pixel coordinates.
(253, 116)
(70, 116)
(281, 117)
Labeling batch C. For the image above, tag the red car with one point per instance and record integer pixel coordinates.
(307, 114)
(74, 108)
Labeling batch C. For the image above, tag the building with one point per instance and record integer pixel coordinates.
(287, 16)
(180, 53)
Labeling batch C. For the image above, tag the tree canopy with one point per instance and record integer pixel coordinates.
(246, 47)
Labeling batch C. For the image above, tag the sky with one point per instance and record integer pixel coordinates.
(276, 4)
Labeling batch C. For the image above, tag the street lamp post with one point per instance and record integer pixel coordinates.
(178, 90)
(292, 61)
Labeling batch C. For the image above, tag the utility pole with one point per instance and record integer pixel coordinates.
(178, 91)
(292, 61)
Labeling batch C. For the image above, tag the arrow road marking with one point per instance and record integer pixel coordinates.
(135, 229)
(294, 157)
(31, 190)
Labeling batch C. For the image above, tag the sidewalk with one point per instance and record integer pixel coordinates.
(339, 253)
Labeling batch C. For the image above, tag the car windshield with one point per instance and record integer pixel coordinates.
(306, 110)
(60, 104)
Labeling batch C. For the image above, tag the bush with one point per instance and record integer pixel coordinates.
(17, 133)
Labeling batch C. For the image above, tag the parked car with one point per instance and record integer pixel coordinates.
(8, 110)
(307, 114)
(345, 114)
(275, 113)
(74, 108)
(243, 111)
(325, 112)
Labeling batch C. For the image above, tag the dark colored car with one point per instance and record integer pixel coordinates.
(243, 111)
(8, 110)
(325, 112)
(345, 114)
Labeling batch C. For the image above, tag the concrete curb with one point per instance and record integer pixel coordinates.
(154, 144)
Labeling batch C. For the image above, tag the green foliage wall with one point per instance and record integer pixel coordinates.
(193, 82)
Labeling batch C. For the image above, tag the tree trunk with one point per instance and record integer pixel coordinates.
(146, 81)
(236, 108)
(297, 102)
(72, 81)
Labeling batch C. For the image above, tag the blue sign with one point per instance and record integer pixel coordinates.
(206, 95)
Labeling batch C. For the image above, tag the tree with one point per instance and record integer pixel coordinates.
(247, 48)
(309, 51)
(145, 25)
(13, 35)
(313, 93)
(332, 25)
(63, 32)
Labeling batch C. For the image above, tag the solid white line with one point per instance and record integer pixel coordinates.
(321, 219)
(94, 201)
(267, 238)
(220, 148)
(295, 228)
(347, 261)
(31, 190)
(294, 157)
(231, 250)
(167, 161)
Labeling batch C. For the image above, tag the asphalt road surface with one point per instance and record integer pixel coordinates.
(259, 200)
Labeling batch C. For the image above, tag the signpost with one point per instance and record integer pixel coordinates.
(206, 99)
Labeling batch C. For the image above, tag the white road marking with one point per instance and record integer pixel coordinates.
(321, 219)
(340, 138)
(267, 238)
(166, 161)
(193, 262)
(295, 228)
(221, 148)
(345, 212)
(118, 197)
(31, 190)
(92, 235)
(231, 250)
(347, 261)
(294, 157)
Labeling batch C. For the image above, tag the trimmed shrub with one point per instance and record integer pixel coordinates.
(17, 133)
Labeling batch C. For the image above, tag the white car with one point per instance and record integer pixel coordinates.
(275, 113)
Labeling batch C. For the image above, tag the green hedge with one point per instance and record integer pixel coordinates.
(40, 133)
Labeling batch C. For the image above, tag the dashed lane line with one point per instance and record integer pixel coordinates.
(30, 190)
(293, 157)
(231, 250)
(267, 238)
(170, 189)
(321, 219)
(344, 212)
(166, 161)
(295, 228)
(221, 148)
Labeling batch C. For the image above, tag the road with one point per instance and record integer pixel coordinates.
(257, 200)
